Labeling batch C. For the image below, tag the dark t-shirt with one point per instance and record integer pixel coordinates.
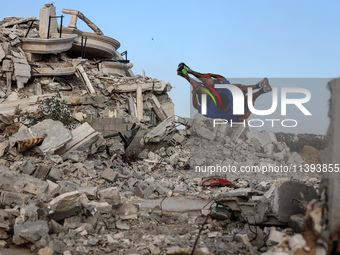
(215, 113)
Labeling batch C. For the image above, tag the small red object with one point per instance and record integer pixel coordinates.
(216, 181)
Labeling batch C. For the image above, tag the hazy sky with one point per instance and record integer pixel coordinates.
(238, 39)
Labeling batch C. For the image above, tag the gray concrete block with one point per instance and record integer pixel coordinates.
(30, 232)
(110, 195)
(90, 192)
(297, 222)
(41, 171)
(109, 175)
(8, 198)
(138, 191)
(54, 174)
(99, 207)
(65, 205)
(27, 168)
(286, 198)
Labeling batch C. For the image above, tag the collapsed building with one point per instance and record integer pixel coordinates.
(40, 57)
(114, 182)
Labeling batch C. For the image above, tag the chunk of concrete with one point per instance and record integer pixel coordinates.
(2, 53)
(41, 171)
(46, 251)
(83, 137)
(65, 205)
(7, 66)
(3, 148)
(98, 207)
(9, 198)
(109, 175)
(90, 192)
(56, 228)
(17, 182)
(22, 71)
(159, 132)
(54, 132)
(275, 237)
(27, 168)
(287, 199)
(297, 222)
(201, 131)
(243, 238)
(30, 232)
(54, 174)
(176, 139)
(122, 226)
(110, 195)
(127, 209)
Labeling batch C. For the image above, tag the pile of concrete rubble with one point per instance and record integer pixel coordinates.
(112, 182)
(81, 193)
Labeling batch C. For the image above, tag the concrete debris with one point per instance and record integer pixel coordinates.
(54, 132)
(65, 205)
(288, 199)
(122, 178)
(30, 232)
(158, 133)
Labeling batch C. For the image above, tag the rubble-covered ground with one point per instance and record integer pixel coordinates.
(114, 174)
(94, 201)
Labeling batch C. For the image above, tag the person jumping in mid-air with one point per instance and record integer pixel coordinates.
(223, 108)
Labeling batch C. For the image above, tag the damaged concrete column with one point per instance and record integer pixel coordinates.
(77, 14)
(139, 97)
(156, 106)
(44, 16)
(331, 180)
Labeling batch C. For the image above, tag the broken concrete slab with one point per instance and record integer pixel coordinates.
(9, 198)
(54, 132)
(85, 138)
(54, 174)
(28, 168)
(159, 86)
(2, 53)
(297, 222)
(287, 200)
(110, 195)
(201, 131)
(98, 207)
(30, 232)
(90, 192)
(85, 79)
(3, 147)
(127, 209)
(132, 107)
(16, 182)
(109, 175)
(42, 171)
(157, 107)
(65, 205)
(160, 131)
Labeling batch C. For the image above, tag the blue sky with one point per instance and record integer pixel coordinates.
(238, 39)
